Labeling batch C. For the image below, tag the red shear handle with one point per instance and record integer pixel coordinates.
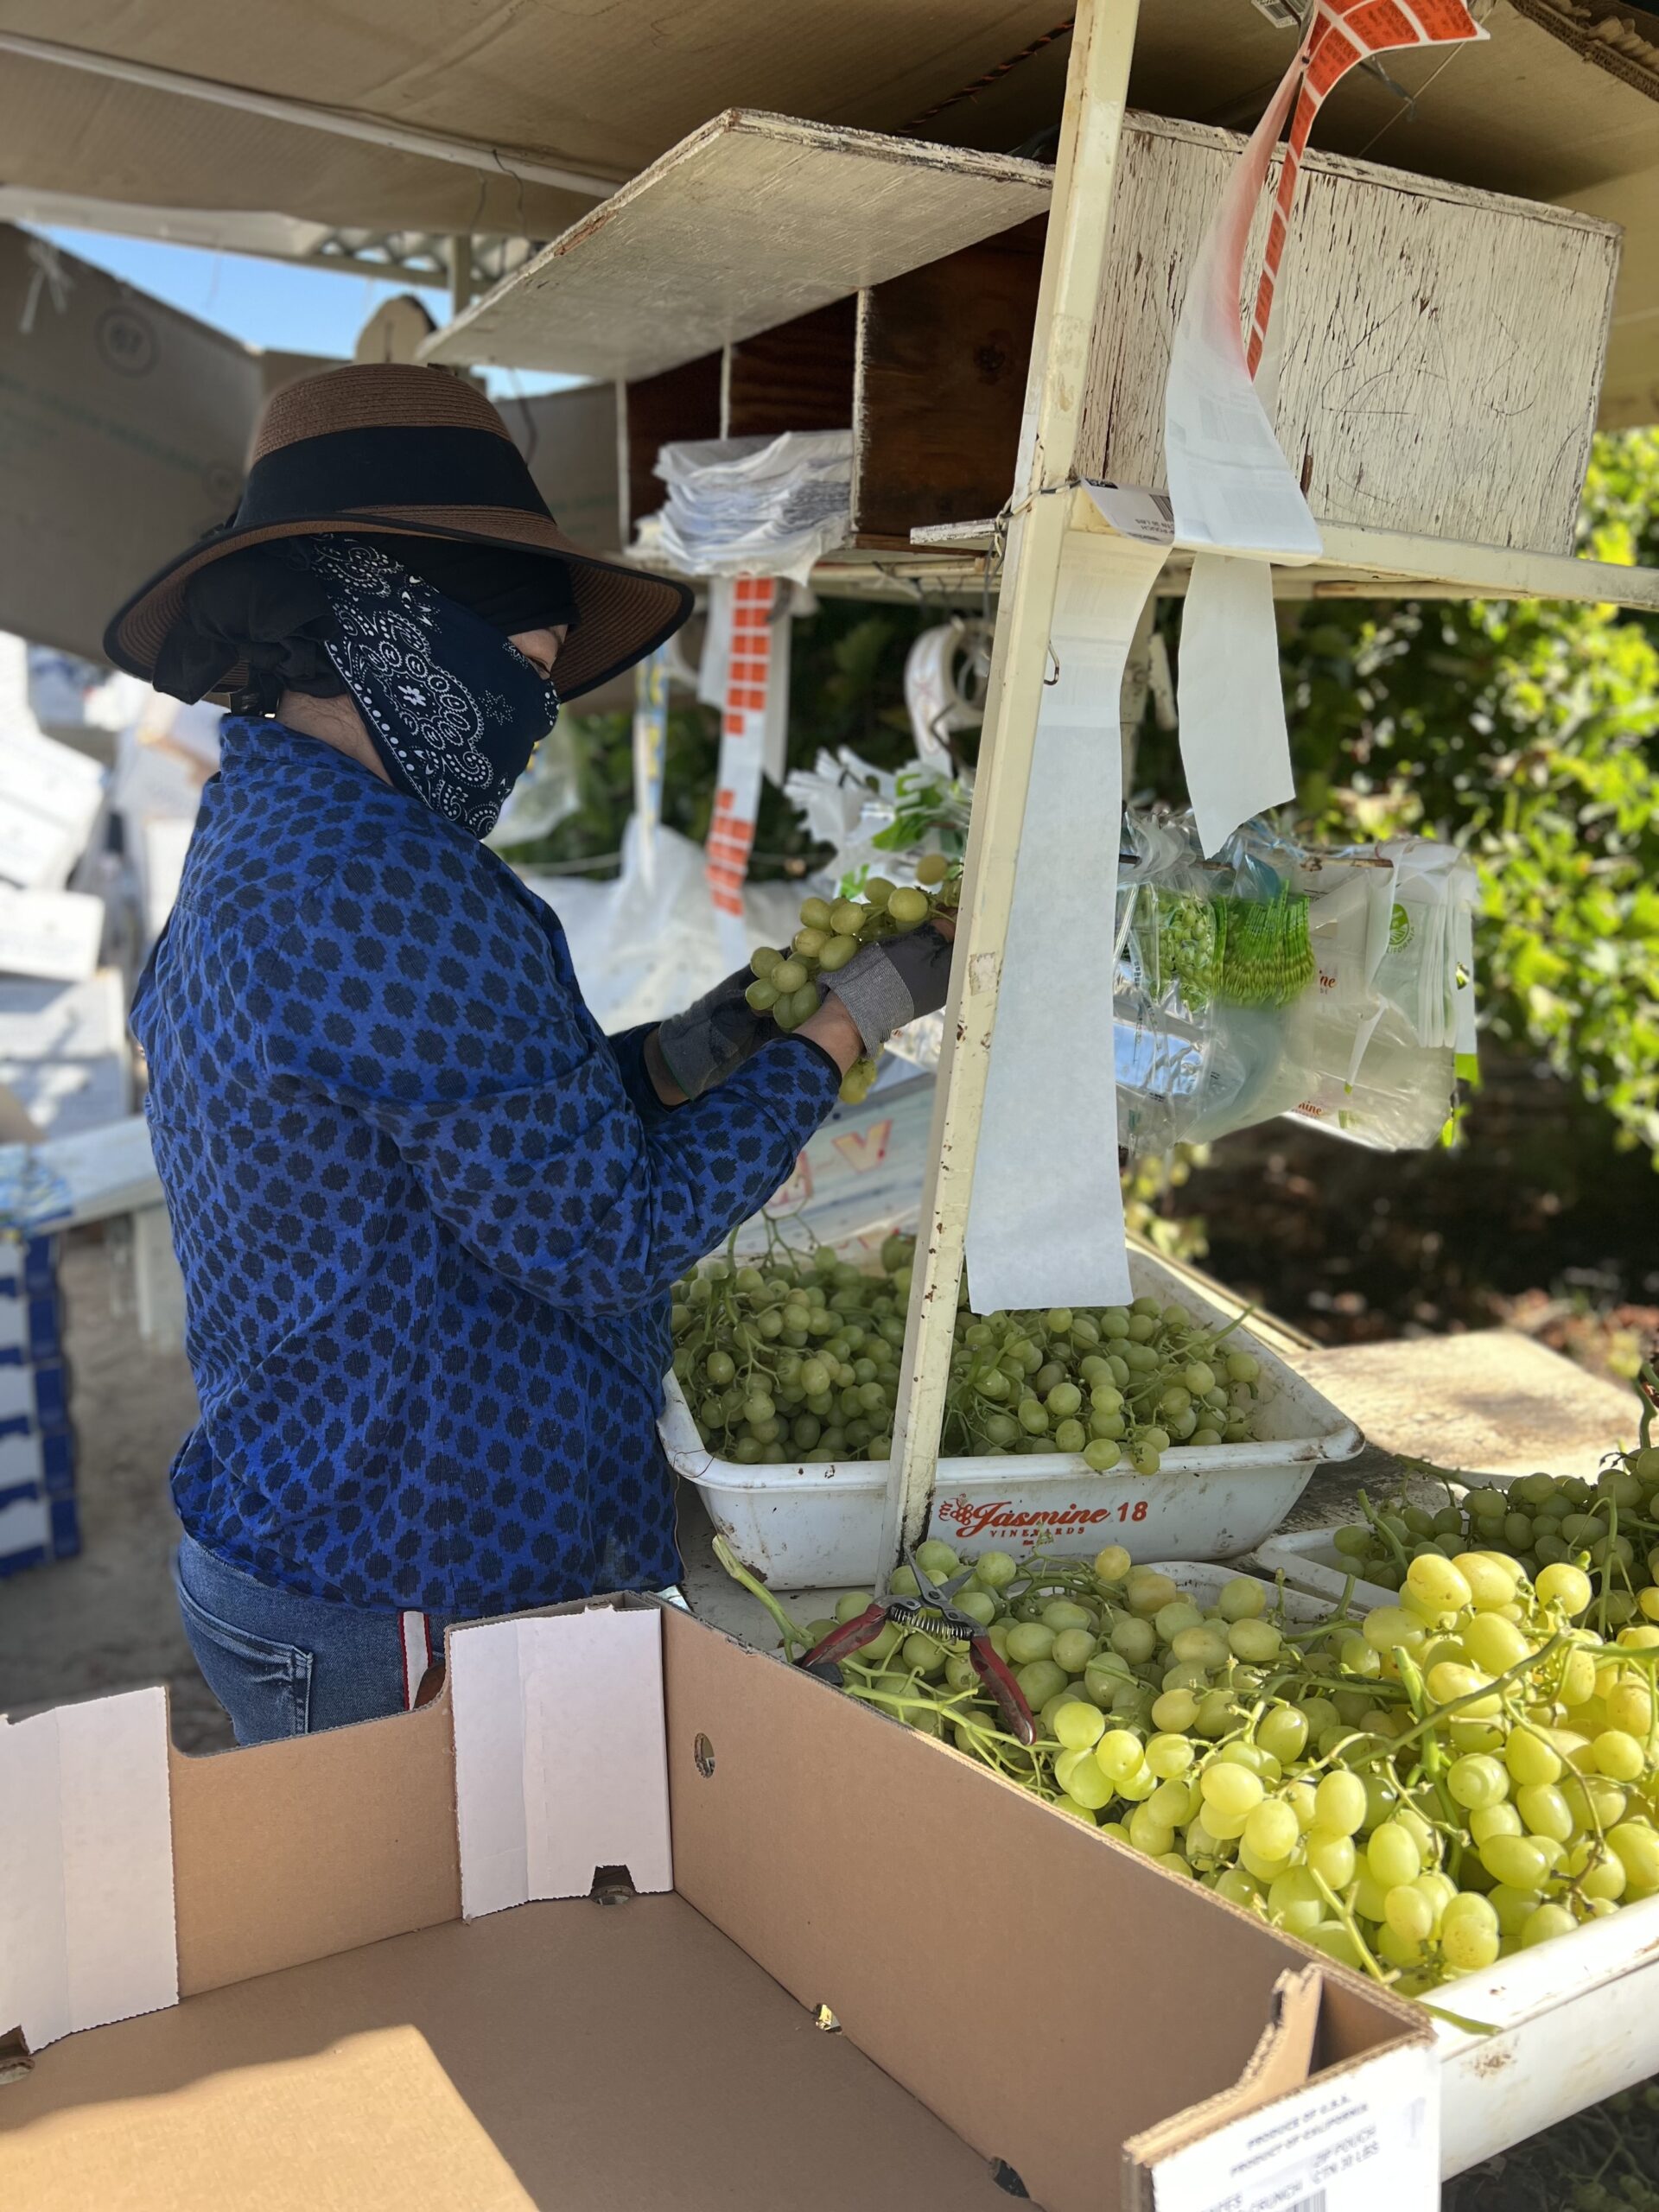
(1003, 1687)
(852, 1635)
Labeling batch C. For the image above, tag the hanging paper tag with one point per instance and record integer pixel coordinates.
(1230, 486)
(1343, 33)
(1228, 483)
(1045, 1219)
(650, 741)
(751, 676)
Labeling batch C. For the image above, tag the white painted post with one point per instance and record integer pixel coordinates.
(1073, 259)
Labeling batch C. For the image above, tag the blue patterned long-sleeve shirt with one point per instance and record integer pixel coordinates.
(427, 1213)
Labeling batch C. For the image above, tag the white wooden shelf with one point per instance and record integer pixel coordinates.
(752, 221)
(1379, 564)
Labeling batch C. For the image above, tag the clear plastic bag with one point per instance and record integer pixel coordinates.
(1211, 982)
(1277, 978)
(874, 820)
(1384, 1074)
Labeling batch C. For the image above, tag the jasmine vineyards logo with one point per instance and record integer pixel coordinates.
(1000, 1516)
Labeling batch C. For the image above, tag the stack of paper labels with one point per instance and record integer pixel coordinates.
(754, 506)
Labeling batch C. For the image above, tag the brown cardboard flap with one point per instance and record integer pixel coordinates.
(292, 1851)
(876, 1881)
(1281, 2061)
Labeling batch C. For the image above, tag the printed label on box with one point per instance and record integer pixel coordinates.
(1367, 2141)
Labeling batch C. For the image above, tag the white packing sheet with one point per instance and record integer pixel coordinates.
(1046, 1219)
(36, 851)
(561, 1755)
(52, 934)
(86, 1920)
(1229, 484)
(1234, 746)
(644, 950)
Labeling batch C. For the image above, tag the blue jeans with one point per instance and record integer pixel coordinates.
(284, 1664)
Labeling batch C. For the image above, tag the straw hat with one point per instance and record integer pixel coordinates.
(388, 447)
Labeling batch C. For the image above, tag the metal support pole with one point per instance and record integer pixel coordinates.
(461, 274)
(1073, 259)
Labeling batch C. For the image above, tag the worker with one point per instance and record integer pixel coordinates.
(428, 1214)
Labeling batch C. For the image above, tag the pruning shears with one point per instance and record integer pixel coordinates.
(932, 1612)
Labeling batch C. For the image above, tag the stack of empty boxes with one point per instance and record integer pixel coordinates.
(38, 1519)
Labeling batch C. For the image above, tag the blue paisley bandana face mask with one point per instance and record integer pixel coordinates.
(453, 708)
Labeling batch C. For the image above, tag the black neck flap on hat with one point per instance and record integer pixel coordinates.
(515, 591)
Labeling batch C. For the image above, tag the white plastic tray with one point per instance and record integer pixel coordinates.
(1203, 1583)
(818, 1526)
(1309, 1560)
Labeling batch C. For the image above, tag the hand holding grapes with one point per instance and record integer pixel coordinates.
(885, 957)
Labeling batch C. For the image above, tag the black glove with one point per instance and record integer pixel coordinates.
(885, 985)
(702, 1046)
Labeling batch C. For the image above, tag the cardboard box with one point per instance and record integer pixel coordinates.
(124, 426)
(63, 1052)
(347, 1969)
(36, 1528)
(36, 1461)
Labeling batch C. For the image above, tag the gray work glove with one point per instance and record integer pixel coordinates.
(702, 1046)
(885, 985)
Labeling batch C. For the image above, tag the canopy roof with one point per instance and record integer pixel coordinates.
(514, 117)
(599, 92)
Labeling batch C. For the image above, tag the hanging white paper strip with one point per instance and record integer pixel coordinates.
(650, 741)
(1229, 698)
(1229, 484)
(1045, 1220)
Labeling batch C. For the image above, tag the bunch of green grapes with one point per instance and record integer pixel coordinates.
(1267, 952)
(1188, 946)
(1117, 1384)
(1611, 1525)
(1417, 1792)
(786, 984)
(797, 1359)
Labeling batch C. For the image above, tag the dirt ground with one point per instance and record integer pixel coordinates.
(107, 1620)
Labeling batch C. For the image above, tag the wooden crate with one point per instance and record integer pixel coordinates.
(1444, 348)
(1443, 352)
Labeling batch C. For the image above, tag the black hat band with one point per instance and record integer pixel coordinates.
(377, 468)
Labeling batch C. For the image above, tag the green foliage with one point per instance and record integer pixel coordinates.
(846, 688)
(1525, 732)
(846, 682)
(1148, 1203)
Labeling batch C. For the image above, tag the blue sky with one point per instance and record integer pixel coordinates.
(291, 306)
